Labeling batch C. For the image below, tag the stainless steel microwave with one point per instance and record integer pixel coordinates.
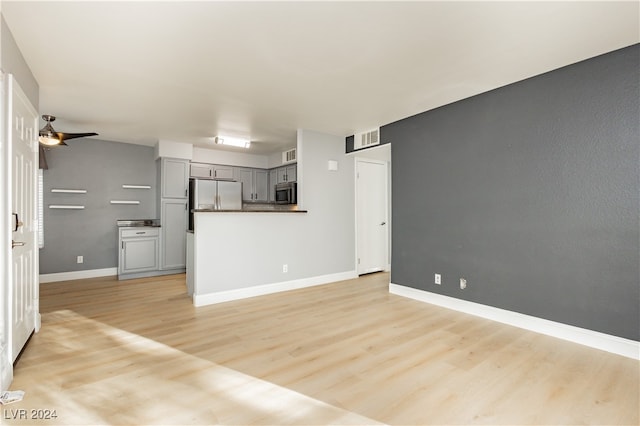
(287, 193)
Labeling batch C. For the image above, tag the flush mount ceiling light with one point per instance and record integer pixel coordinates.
(238, 142)
(49, 137)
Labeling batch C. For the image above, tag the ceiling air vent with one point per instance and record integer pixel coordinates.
(289, 156)
(366, 139)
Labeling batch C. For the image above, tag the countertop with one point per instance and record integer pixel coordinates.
(155, 223)
(259, 208)
(248, 211)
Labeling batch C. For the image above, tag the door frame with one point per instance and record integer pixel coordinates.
(6, 366)
(387, 164)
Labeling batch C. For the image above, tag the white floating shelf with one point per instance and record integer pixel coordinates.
(124, 202)
(70, 191)
(65, 207)
(136, 186)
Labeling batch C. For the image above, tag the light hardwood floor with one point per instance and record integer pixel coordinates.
(138, 352)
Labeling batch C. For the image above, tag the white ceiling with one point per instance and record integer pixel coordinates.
(137, 72)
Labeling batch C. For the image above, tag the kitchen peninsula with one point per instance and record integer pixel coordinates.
(239, 254)
(234, 254)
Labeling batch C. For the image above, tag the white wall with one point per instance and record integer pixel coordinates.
(214, 156)
(275, 159)
(243, 250)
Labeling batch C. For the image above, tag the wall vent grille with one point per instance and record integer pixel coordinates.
(289, 156)
(366, 139)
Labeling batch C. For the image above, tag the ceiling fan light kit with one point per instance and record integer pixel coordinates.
(49, 137)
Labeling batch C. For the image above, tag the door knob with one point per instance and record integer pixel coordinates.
(16, 244)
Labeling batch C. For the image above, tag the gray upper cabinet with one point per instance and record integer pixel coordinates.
(222, 172)
(287, 173)
(255, 184)
(292, 173)
(198, 170)
(211, 171)
(175, 178)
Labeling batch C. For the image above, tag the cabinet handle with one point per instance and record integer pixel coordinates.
(210, 171)
(123, 245)
(140, 233)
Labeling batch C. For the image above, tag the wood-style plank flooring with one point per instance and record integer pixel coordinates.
(138, 352)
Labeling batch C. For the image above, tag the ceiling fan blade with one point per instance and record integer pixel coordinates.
(65, 136)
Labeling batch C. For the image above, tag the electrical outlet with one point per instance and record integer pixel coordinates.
(463, 283)
(80, 259)
(285, 268)
(438, 279)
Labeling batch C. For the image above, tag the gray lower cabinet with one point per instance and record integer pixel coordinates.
(273, 180)
(173, 239)
(139, 250)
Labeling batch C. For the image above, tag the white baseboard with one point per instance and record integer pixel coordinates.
(261, 290)
(583, 336)
(77, 275)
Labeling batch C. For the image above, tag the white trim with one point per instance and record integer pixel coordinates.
(261, 290)
(606, 342)
(6, 366)
(77, 275)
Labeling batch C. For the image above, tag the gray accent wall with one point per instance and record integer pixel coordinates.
(531, 193)
(100, 167)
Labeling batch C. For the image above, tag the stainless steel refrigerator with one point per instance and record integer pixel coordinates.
(213, 195)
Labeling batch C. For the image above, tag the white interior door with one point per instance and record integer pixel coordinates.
(23, 141)
(372, 226)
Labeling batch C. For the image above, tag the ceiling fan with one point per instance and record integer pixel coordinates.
(49, 137)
